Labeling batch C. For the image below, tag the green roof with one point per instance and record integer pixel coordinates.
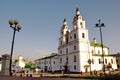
(101, 55)
(47, 57)
(97, 45)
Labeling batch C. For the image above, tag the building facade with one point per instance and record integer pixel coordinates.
(76, 53)
(48, 63)
(117, 59)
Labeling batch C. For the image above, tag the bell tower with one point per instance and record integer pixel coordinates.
(82, 39)
(64, 33)
(79, 26)
(78, 21)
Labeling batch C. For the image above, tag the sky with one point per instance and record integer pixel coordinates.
(41, 21)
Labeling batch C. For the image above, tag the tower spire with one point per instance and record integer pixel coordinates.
(64, 22)
(77, 11)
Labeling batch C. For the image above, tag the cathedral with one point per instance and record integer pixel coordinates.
(76, 53)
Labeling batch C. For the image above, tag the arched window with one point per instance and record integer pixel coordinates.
(81, 24)
(54, 62)
(106, 61)
(98, 51)
(74, 58)
(60, 42)
(60, 51)
(66, 50)
(92, 52)
(67, 37)
(67, 59)
(60, 60)
(83, 35)
(112, 61)
(74, 67)
(99, 61)
(74, 47)
(74, 36)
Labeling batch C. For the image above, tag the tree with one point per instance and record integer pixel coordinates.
(27, 65)
(30, 65)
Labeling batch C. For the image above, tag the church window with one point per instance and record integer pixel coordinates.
(74, 36)
(83, 35)
(66, 40)
(99, 60)
(66, 59)
(106, 61)
(81, 24)
(98, 51)
(60, 42)
(60, 60)
(117, 61)
(74, 47)
(112, 61)
(60, 51)
(118, 66)
(66, 50)
(92, 52)
(74, 58)
(54, 62)
(66, 37)
(74, 67)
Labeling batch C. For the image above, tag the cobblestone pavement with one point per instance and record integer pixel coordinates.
(36, 78)
(45, 76)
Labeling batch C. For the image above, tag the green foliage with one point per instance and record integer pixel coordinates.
(27, 65)
(30, 65)
(16, 60)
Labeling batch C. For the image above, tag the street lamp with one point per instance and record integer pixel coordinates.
(99, 24)
(15, 28)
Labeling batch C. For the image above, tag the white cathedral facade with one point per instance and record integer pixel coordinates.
(75, 52)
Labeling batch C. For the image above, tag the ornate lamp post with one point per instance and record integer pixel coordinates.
(15, 28)
(100, 25)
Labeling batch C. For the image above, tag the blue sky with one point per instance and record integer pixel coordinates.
(41, 21)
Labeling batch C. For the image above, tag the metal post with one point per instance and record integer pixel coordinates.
(15, 28)
(12, 50)
(101, 25)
